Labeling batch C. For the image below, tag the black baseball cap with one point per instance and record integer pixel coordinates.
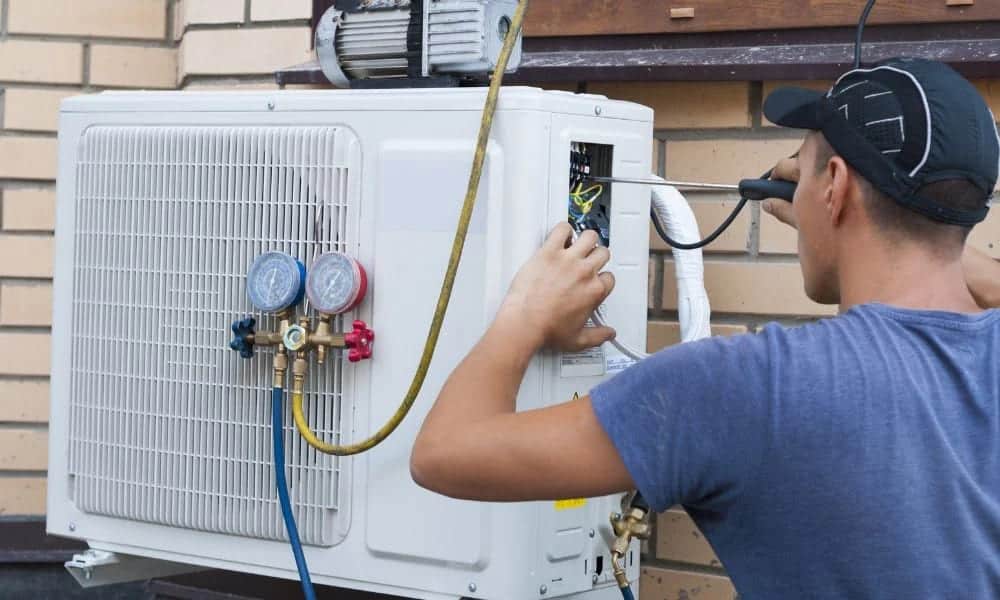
(903, 124)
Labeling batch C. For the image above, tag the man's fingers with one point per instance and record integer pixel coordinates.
(787, 169)
(597, 258)
(781, 210)
(608, 280)
(591, 337)
(584, 244)
(559, 237)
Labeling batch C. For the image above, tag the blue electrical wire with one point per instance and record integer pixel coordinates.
(627, 593)
(277, 430)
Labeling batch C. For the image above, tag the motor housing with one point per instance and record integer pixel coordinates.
(413, 39)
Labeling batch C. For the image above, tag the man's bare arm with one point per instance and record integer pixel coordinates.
(474, 445)
(982, 273)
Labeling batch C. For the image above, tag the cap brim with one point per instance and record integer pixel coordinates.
(794, 107)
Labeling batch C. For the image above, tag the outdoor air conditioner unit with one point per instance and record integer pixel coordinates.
(160, 433)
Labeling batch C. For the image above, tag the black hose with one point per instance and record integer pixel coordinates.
(861, 33)
(697, 245)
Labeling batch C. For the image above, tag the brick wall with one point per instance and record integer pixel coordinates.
(56, 48)
(240, 43)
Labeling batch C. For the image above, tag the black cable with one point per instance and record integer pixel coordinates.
(861, 33)
(697, 245)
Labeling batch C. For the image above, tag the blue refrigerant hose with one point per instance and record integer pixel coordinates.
(627, 593)
(277, 430)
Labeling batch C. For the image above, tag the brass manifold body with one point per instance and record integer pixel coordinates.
(632, 523)
(297, 337)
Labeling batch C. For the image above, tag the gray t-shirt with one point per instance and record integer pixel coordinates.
(857, 457)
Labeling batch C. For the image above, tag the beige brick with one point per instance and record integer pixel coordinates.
(770, 86)
(725, 161)
(244, 51)
(671, 584)
(231, 85)
(33, 110)
(24, 401)
(27, 157)
(990, 89)
(41, 62)
(133, 66)
(710, 214)
(986, 235)
(751, 288)
(26, 256)
(26, 304)
(24, 353)
(679, 539)
(29, 209)
(23, 449)
(197, 12)
(22, 496)
(776, 237)
(685, 105)
(280, 10)
(145, 19)
(661, 334)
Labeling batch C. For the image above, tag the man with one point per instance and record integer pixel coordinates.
(857, 457)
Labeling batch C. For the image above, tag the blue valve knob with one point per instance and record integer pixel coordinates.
(242, 331)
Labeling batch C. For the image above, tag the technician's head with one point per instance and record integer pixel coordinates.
(904, 154)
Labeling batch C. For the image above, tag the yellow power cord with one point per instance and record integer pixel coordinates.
(449, 279)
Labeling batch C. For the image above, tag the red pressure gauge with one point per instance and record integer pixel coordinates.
(336, 283)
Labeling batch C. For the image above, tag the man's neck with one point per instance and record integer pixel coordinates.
(904, 276)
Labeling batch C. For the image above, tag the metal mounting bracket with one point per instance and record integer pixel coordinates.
(94, 568)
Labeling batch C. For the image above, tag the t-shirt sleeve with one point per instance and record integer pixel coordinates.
(692, 422)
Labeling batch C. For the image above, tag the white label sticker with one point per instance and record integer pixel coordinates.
(583, 364)
(617, 364)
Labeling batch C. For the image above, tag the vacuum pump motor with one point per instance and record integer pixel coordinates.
(412, 39)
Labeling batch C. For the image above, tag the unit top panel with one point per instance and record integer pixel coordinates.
(451, 99)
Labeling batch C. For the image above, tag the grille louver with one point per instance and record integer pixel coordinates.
(167, 424)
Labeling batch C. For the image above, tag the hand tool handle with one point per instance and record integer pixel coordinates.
(762, 189)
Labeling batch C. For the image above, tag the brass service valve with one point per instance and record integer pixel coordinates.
(633, 522)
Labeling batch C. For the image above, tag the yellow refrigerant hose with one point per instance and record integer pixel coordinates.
(449, 279)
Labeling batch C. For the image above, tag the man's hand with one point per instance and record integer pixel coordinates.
(554, 294)
(788, 170)
(472, 444)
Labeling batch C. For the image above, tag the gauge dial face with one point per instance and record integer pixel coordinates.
(274, 282)
(336, 283)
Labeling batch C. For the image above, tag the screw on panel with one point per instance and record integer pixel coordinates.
(472, 587)
(592, 533)
(72, 526)
(598, 110)
(88, 574)
(270, 105)
(543, 590)
(594, 578)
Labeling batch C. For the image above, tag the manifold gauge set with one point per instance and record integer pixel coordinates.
(335, 285)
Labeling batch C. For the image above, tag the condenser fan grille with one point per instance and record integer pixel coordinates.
(167, 424)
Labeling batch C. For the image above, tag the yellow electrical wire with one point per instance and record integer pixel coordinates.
(457, 248)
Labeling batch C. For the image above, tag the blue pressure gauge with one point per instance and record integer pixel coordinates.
(276, 281)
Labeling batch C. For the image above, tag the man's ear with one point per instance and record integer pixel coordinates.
(838, 192)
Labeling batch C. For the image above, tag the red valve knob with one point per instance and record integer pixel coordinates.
(359, 342)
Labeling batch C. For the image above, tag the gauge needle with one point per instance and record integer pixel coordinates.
(274, 277)
(333, 283)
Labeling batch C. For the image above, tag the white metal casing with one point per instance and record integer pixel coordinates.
(406, 159)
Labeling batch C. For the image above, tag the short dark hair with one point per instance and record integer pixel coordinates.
(902, 223)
